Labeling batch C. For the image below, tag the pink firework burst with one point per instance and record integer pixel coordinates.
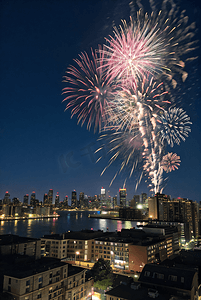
(87, 93)
(150, 45)
(170, 162)
(134, 51)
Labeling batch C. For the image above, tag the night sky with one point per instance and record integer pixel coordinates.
(42, 148)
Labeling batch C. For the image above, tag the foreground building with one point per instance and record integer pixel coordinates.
(46, 278)
(179, 281)
(14, 244)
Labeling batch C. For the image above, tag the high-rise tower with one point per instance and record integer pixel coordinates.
(26, 199)
(33, 198)
(50, 196)
(74, 199)
(122, 195)
(57, 200)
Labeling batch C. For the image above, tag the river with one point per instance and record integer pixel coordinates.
(68, 220)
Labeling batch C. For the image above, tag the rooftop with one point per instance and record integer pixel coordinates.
(126, 292)
(31, 267)
(174, 277)
(7, 239)
(78, 235)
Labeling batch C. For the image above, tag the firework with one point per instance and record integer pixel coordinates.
(149, 45)
(131, 106)
(170, 162)
(175, 125)
(124, 146)
(124, 90)
(87, 93)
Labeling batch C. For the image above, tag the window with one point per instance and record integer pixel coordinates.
(146, 273)
(172, 278)
(39, 296)
(27, 290)
(27, 282)
(9, 288)
(40, 279)
(160, 276)
(9, 280)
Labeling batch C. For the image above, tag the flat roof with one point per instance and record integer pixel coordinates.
(126, 292)
(6, 239)
(31, 267)
(78, 235)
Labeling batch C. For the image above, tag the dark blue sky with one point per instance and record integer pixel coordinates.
(39, 39)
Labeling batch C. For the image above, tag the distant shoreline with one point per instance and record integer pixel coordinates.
(28, 218)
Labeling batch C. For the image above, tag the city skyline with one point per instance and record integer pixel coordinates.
(42, 147)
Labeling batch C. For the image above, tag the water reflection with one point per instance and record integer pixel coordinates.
(68, 221)
(119, 225)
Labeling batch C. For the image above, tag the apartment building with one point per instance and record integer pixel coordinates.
(46, 278)
(132, 249)
(14, 244)
(179, 281)
(74, 245)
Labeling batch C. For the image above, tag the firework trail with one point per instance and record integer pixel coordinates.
(87, 93)
(175, 125)
(150, 97)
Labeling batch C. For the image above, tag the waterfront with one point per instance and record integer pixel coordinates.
(68, 220)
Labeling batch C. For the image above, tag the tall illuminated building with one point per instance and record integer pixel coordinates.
(57, 200)
(103, 197)
(45, 199)
(66, 201)
(81, 199)
(114, 201)
(6, 199)
(122, 196)
(26, 199)
(182, 210)
(33, 198)
(74, 199)
(50, 196)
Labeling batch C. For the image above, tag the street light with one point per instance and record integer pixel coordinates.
(76, 253)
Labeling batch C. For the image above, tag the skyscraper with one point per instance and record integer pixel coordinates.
(122, 195)
(57, 200)
(33, 198)
(45, 199)
(26, 199)
(50, 197)
(6, 199)
(74, 199)
(114, 200)
(66, 201)
(81, 199)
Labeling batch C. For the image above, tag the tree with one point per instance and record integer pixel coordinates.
(103, 284)
(102, 271)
